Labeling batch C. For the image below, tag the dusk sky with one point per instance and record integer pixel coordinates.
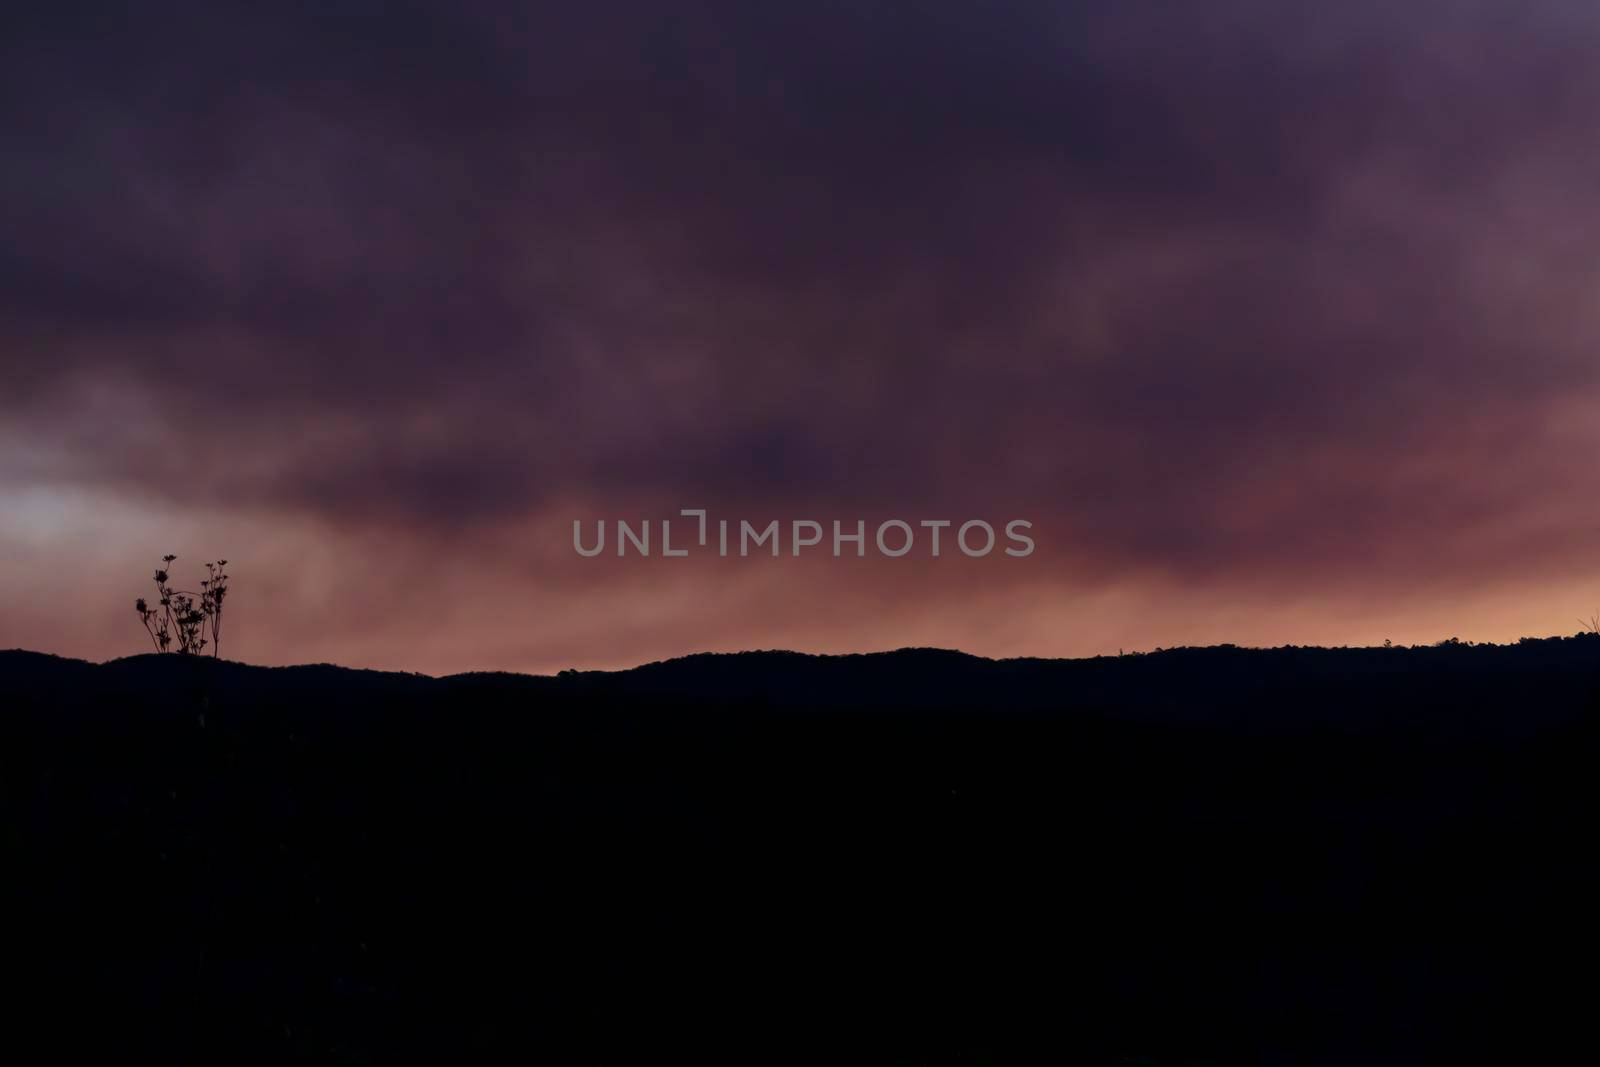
(1280, 321)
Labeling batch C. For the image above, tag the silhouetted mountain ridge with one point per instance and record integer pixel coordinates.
(1214, 855)
(1224, 681)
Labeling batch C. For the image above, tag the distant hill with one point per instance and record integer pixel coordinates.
(1218, 855)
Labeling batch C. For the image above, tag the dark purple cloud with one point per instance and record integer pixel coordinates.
(1220, 293)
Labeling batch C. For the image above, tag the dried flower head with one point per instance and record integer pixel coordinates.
(193, 620)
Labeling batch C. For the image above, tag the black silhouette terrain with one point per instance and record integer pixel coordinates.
(1216, 855)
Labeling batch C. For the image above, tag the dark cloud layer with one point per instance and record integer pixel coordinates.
(1219, 293)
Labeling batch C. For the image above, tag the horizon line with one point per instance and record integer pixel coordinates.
(1448, 642)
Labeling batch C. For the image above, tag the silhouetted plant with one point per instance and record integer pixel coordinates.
(186, 617)
(216, 588)
(1591, 625)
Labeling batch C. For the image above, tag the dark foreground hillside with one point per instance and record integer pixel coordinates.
(1201, 856)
